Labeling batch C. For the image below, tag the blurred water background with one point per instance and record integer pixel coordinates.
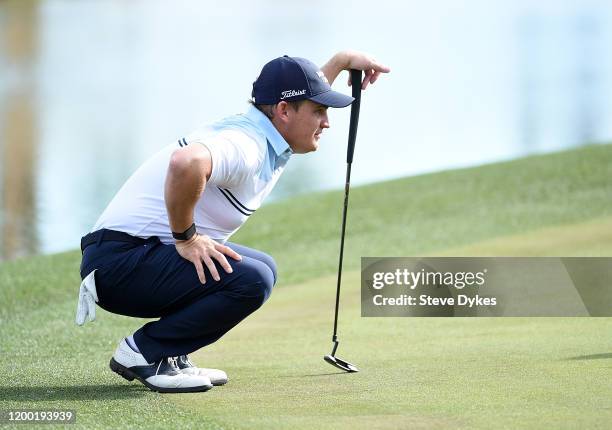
(90, 89)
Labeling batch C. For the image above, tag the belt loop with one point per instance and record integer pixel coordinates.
(101, 237)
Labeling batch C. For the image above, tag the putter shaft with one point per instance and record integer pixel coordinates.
(344, 213)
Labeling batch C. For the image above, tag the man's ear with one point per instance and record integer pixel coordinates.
(281, 111)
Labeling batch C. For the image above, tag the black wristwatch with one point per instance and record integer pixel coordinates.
(187, 234)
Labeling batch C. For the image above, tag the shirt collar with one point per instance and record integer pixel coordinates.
(275, 139)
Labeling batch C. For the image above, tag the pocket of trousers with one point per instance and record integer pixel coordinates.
(113, 261)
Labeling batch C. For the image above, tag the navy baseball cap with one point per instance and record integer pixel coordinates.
(292, 79)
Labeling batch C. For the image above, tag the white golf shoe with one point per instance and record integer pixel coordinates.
(216, 376)
(162, 376)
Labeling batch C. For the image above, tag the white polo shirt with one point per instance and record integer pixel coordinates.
(248, 156)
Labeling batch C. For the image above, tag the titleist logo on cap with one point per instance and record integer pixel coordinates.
(292, 93)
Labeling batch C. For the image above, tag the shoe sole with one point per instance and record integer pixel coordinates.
(126, 373)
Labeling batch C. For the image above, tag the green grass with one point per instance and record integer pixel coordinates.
(416, 372)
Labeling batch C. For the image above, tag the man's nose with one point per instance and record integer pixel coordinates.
(325, 122)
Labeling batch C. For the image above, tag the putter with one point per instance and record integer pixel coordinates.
(356, 88)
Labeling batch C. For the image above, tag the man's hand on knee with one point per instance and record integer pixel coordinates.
(201, 249)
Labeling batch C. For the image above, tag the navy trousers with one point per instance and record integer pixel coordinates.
(151, 280)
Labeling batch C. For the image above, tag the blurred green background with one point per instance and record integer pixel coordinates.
(90, 89)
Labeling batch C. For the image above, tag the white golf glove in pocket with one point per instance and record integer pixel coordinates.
(88, 296)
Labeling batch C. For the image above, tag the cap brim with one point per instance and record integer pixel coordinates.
(332, 99)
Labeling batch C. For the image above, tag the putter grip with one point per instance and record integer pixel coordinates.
(356, 87)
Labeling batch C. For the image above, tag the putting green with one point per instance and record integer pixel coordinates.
(424, 373)
(415, 372)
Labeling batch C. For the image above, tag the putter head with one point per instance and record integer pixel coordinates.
(341, 364)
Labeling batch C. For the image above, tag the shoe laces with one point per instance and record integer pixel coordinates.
(172, 362)
(184, 359)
